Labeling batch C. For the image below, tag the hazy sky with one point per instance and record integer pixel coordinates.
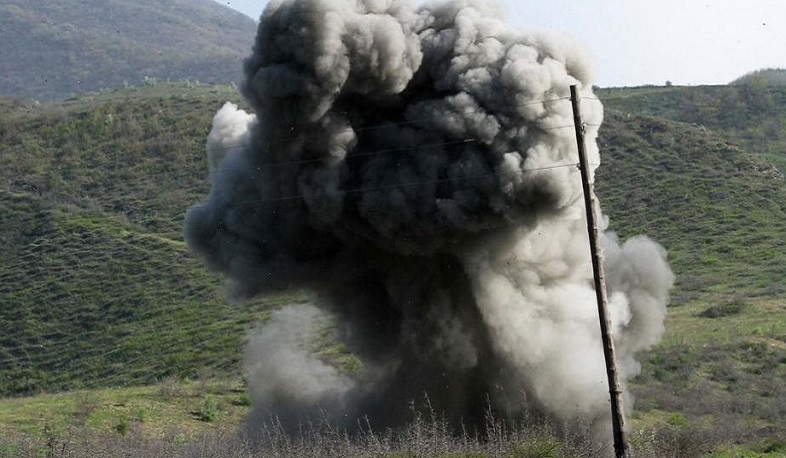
(635, 42)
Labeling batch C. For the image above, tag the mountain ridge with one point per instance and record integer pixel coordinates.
(53, 50)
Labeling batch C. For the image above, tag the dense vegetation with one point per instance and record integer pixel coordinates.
(97, 288)
(52, 49)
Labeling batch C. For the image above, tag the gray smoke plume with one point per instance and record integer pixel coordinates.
(415, 169)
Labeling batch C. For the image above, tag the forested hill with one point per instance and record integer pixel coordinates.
(52, 49)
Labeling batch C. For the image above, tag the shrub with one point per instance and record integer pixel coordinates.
(171, 387)
(122, 426)
(242, 400)
(209, 410)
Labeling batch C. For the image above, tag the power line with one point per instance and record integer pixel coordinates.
(407, 184)
(380, 126)
(678, 103)
(375, 152)
(394, 124)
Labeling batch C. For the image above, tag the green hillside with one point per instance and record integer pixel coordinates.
(137, 154)
(721, 213)
(52, 49)
(97, 288)
(752, 116)
(112, 175)
(719, 210)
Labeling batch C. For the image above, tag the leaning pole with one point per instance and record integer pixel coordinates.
(617, 413)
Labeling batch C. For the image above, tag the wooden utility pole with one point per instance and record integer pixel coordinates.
(617, 413)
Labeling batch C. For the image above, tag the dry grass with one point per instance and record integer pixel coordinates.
(422, 437)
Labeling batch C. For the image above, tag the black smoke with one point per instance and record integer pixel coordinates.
(415, 170)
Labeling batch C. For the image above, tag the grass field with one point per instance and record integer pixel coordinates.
(188, 408)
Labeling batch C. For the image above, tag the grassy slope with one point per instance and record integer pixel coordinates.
(184, 408)
(137, 154)
(751, 116)
(97, 287)
(53, 48)
(721, 212)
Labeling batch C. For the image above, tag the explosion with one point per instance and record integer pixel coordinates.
(414, 168)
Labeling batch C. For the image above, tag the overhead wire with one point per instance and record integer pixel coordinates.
(410, 121)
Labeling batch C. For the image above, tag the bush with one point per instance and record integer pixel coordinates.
(209, 410)
(242, 400)
(122, 426)
(171, 387)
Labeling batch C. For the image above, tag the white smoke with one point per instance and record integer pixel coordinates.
(281, 356)
(415, 168)
(231, 127)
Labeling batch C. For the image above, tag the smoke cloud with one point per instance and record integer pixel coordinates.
(415, 169)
